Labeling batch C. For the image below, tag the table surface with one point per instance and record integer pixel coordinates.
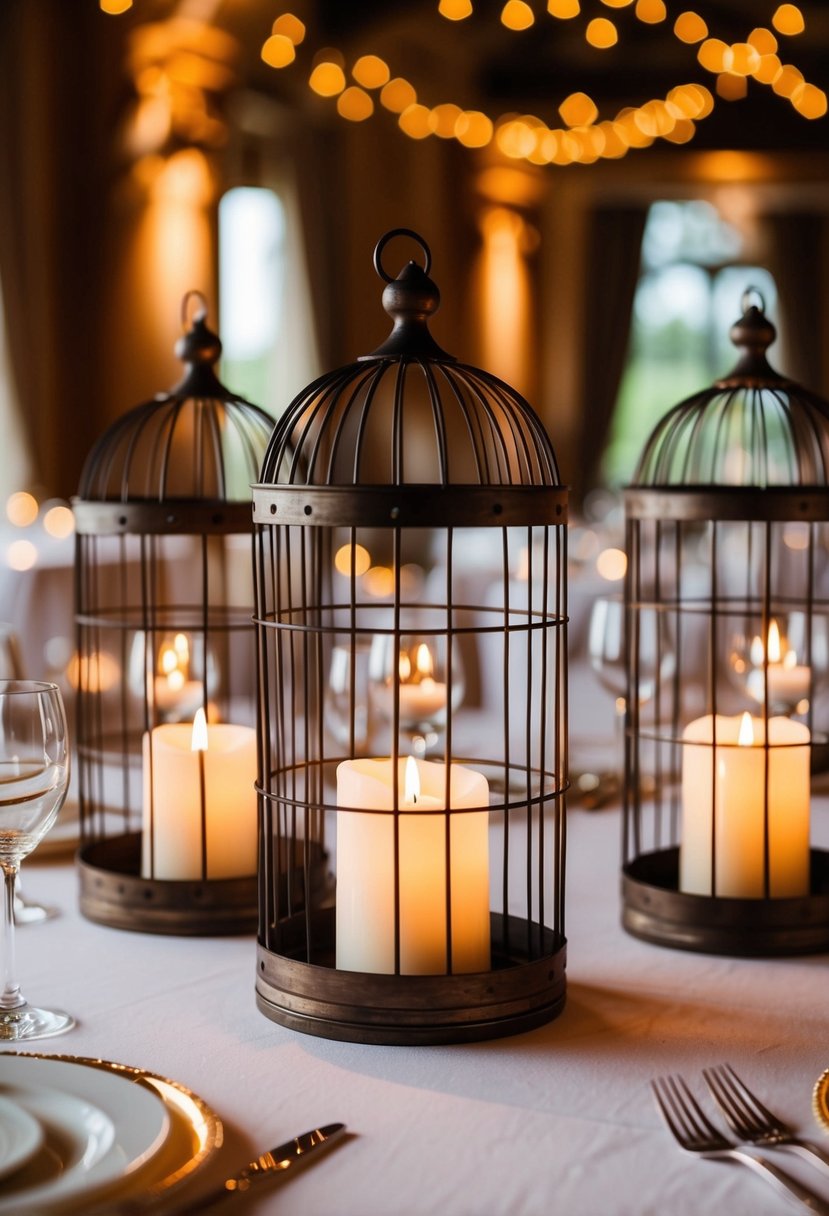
(556, 1121)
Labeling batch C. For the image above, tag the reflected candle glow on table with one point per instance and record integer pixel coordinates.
(736, 821)
(191, 763)
(366, 867)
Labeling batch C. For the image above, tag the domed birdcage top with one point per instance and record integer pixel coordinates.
(410, 415)
(752, 429)
(197, 442)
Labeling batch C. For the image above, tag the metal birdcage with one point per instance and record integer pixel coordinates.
(166, 667)
(727, 639)
(410, 542)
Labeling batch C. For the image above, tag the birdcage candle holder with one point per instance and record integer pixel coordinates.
(166, 656)
(727, 641)
(412, 723)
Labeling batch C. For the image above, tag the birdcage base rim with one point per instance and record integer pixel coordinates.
(656, 911)
(518, 995)
(113, 893)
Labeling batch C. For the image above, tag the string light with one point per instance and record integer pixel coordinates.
(788, 20)
(584, 139)
(517, 15)
(114, 8)
(601, 33)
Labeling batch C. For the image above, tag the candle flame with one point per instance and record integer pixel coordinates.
(423, 659)
(774, 642)
(168, 661)
(175, 680)
(790, 659)
(411, 788)
(404, 667)
(745, 738)
(199, 742)
(756, 652)
(182, 647)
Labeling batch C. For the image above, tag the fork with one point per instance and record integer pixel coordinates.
(695, 1133)
(751, 1121)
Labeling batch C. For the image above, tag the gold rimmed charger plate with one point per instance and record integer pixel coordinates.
(820, 1100)
(195, 1134)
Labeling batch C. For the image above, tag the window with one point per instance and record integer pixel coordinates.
(691, 284)
(251, 286)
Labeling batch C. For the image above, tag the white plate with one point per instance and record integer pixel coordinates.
(98, 1127)
(20, 1136)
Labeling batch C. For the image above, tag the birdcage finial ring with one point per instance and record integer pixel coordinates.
(384, 240)
(753, 294)
(200, 315)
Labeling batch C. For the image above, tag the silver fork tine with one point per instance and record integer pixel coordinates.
(705, 1124)
(753, 1122)
(695, 1133)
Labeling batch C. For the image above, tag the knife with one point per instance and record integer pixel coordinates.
(290, 1156)
(285, 1158)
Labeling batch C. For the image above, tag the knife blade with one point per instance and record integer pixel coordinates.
(287, 1157)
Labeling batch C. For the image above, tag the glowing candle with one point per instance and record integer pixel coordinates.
(422, 698)
(202, 780)
(788, 681)
(366, 867)
(722, 848)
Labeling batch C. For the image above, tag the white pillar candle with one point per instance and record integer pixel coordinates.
(366, 868)
(221, 760)
(729, 823)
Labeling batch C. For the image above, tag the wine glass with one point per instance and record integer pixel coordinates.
(34, 774)
(26, 911)
(608, 658)
(415, 668)
(348, 717)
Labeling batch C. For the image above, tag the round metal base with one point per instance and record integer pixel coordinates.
(113, 893)
(517, 995)
(654, 909)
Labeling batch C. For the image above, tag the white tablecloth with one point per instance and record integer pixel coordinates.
(557, 1122)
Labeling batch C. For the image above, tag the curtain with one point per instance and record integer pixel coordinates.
(796, 259)
(52, 127)
(614, 243)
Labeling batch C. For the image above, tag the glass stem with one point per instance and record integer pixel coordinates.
(11, 997)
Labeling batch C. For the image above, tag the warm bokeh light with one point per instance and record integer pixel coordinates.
(651, 12)
(443, 119)
(371, 72)
(21, 555)
(357, 556)
(327, 79)
(517, 15)
(617, 3)
(115, 7)
(515, 139)
(683, 131)
(379, 582)
(398, 95)
(473, 129)
(713, 54)
(731, 87)
(769, 69)
(788, 20)
(59, 522)
(787, 81)
(745, 58)
(278, 51)
(21, 509)
(689, 27)
(95, 672)
(414, 121)
(578, 110)
(455, 10)
(809, 100)
(563, 9)
(355, 104)
(601, 33)
(612, 564)
(763, 40)
(504, 295)
(290, 26)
